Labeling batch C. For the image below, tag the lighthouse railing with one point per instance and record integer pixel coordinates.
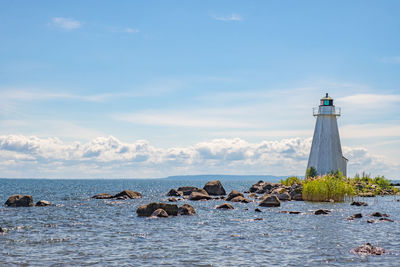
(327, 110)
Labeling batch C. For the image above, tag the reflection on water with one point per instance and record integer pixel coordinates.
(83, 231)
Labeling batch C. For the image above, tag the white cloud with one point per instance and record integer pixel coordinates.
(66, 23)
(231, 17)
(30, 156)
(373, 100)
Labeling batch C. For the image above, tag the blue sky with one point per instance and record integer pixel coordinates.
(157, 88)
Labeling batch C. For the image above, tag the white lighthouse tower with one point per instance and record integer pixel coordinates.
(326, 151)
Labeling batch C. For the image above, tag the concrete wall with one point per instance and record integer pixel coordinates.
(326, 151)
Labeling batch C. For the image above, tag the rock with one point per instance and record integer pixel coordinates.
(43, 203)
(233, 194)
(186, 209)
(240, 199)
(199, 196)
(102, 196)
(257, 210)
(226, 206)
(1, 230)
(354, 216)
(370, 221)
(367, 194)
(147, 210)
(160, 213)
(297, 197)
(378, 214)
(358, 203)
(270, 201)
(187, 190)
(252, 195)
(369, 249)
(172, 199)
(284, 196)
(128, 194)
(214, 188)
(258, 219)
(386, 219)
(19, 201)
(321, 212)
(174, 193)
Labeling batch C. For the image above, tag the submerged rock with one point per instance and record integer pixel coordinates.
(102, 196)
(355, 216)
(148, 209)
(160, 213)
(378, 214)
(257, 210)
(43, 203)
(172, 199)
(321, 212)
(240, 199)
(226, 206)
(386, 219)
(358, 203)
(233, 194)
(214, 188)
(19, 201)
(369, 249)
(199, 196)
(127, 194)
(186, 209)
(270, 201)
(252, 195)
(1, 230)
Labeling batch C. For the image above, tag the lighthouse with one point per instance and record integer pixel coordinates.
(326, 152)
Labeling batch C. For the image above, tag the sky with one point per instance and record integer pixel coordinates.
(146, 89)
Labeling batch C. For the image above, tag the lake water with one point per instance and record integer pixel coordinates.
(83, 231)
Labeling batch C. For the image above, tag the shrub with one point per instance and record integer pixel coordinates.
(311, 172)
(291, 180)
(324, 188)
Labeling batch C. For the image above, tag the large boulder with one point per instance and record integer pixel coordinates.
(147, 210)
(160, 213)
(214, 188)
(186, 209)
(368, 249)
(127, 194)
(270, 201)
(285, 196)
(43, 203)
(233, 194)
(19, 201)
(199, 196)
(225, 206)
(174, 193)
(102, 196)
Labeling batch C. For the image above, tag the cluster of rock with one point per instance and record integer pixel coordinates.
(368, 249)
(126, 194)
(158, 209)
(212, 188)
(25, 201)
(283, 192)
(371, 190)
(383, 217)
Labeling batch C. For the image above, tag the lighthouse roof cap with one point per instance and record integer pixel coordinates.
(327, 97)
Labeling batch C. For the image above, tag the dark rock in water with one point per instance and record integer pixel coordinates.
(358, 203)
(270, 201)
(187, 190)
(43, 203)
(386, 219)
(369, 249)
(370, 221)
(240, 199)
(226, 206)
(19, 201)
(199, 196)
(233, 194)
(1, 230)
(214, 188)
(147, 210)
(186, 209)
(258, 219)
(321, 212)
(174, 193)
(252, 195)
(172, 199)
(257, 210)
(128, 194)
(102, 196)
(284, 196)
(159, 213)
(294, 212)
(378, 214)
(297, 197)
(354, 216)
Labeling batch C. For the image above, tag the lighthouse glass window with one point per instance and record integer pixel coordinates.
(326, 102)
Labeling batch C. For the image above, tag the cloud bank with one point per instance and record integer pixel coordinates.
(66, 23)
(108, 157)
